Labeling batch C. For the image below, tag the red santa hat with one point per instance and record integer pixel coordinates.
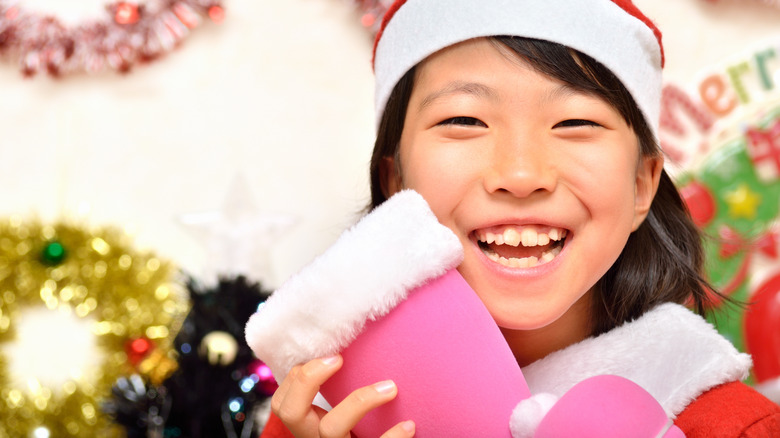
(613, 32)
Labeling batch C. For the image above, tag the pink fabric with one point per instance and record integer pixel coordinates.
(455, 373)
(606, 406)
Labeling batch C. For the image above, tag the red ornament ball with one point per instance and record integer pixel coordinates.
(762, 330)
(266, 383)
(368, 19)
(137, 349)
(127, 13)
(700, 202)
(217, 14)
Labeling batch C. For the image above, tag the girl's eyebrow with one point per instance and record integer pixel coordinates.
(564, 91)
(471, 88)
(479, 90)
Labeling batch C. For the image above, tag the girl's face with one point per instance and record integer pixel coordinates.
(542, 183)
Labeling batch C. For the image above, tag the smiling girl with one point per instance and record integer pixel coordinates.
(530, 128)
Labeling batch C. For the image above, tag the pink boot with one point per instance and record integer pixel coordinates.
(601, 406)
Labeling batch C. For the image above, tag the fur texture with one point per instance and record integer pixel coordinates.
(672, 353)
(364, 275)
(528, 414)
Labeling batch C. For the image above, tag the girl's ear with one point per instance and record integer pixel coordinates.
(647, 177)
(390, 177)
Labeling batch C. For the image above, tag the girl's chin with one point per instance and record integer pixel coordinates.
(523, 326)
(521, 321)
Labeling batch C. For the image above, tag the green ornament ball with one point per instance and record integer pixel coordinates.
(53, 254)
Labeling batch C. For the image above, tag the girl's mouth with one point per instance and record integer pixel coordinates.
(521, 246)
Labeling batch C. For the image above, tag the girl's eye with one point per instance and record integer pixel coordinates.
(463, 121)
(575, 123)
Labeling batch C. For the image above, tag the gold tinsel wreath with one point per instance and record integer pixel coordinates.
(128, 297)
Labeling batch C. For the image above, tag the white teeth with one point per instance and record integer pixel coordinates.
(525, 262)
(528, 236)
(528, 262)
(512, 237)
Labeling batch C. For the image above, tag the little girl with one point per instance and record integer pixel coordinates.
(530, 128)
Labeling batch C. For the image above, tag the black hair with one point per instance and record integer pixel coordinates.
(662, 260)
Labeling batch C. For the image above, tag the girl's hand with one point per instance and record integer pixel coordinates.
(292, 403)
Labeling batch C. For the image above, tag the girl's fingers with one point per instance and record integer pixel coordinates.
(344, 416)
(404, 429)
(281, 391)
(292, 402)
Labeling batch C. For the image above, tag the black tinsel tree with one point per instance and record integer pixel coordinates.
(218, 385)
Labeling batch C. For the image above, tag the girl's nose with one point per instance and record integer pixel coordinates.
(521, 168)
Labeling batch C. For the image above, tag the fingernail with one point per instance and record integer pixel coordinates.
(385, 387)
(408, 426)
(330, 360)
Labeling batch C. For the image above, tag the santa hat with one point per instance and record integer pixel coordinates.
(613, 32)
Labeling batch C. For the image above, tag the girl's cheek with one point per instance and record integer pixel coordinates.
(437, 176)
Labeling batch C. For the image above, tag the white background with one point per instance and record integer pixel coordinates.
(280, 93)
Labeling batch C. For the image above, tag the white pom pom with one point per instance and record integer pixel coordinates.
(529, 413)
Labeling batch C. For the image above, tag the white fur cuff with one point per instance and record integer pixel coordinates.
(364, 275)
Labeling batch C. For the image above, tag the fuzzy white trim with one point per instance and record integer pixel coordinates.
(528, 414)
(364, 275)
(672, 353)
(598, 28)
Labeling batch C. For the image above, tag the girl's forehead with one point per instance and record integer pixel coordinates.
(476, 53)
(461, 65)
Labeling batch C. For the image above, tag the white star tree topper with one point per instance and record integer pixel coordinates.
(238, 237)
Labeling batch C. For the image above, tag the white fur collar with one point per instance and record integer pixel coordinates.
(671, 352)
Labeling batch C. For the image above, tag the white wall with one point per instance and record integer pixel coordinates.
(701, 33)
(281, 93)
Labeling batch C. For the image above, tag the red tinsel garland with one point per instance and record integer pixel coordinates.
(129, 34)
